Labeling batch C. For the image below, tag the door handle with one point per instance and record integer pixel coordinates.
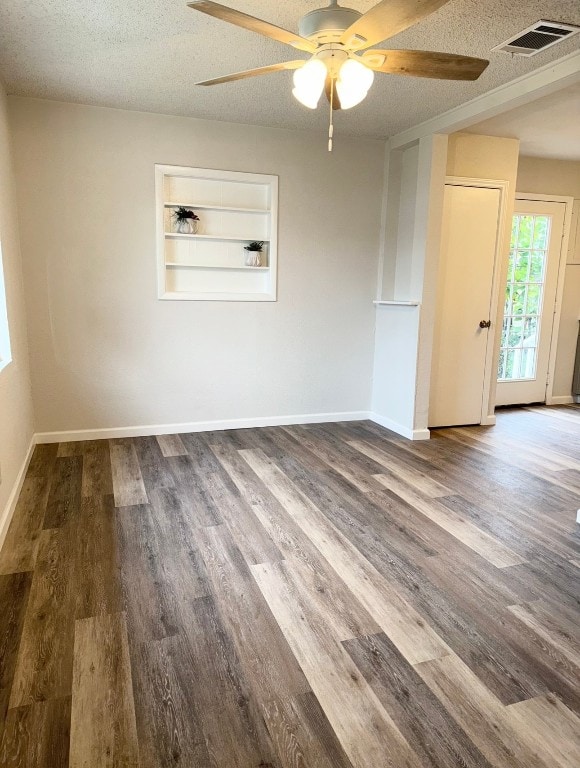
(485, 323)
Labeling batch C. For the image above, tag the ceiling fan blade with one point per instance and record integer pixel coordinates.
(255, 72)
(387, 19)
(330, 83)
(443, 66)
(253, 24)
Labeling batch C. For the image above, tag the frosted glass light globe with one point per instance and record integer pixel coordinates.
(354, 81)
(309, 83)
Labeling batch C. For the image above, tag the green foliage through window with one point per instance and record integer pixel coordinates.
(523, 297)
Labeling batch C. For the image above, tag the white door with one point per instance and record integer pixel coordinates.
(530, 301)
(461, 351)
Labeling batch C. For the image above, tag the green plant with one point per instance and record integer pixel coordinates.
(255, 245)
(182, 213)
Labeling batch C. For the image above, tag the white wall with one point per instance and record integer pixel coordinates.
(404, 335)
(105, 353)
(16, 420)
(559, 177)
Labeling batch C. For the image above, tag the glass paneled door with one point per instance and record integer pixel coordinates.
(530, 296)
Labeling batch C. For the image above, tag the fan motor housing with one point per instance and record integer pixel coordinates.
(326, 25)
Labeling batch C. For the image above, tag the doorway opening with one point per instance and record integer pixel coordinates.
(531, 306)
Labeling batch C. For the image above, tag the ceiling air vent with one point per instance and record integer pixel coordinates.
(538, 37)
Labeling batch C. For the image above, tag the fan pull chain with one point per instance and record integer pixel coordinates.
(331, 126)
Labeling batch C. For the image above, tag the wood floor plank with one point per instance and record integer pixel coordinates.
(64, 499)
(42, 461)
(168, 722)
(412, 477)
(97, 479)
(533, 468)
(539, 619)
(405, 627)
(480, 714)
(171, 445)
(14, 592)
(209, 660)
(21, 543)
(553, 730)
(103, 729)
(97, 578)
(45, 655)
(182, 568)
(473, 537)
(422, 719)
(356, 473)
(252, 538)
(128, 487)
(37, 735)
(260, 644)
(152, 605)
(349, 618)
(203, 511)
(272, 671)
(366, 731)
(154, 469)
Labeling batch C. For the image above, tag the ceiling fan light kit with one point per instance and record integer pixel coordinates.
(336, 38)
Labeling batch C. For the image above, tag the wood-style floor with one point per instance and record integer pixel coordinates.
(325, 596)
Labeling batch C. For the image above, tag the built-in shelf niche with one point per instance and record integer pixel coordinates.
(234, 208)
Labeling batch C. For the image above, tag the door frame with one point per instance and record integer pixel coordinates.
(568, 203)
(501, 250)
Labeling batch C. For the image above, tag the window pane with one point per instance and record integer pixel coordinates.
(541, 231)
(515, 334)
(522, 269)
(533, 300)
(530, 332)
(505, 332)
(509, 364)
(508, 300)
(525, 234)
(518, 299)
(537, 267)
(528, 363)
(510, 274)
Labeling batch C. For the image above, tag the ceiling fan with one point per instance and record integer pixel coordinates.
(338, 39)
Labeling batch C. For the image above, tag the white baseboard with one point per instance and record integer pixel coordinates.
(197, 426)
(394, 426)
(560, 400)
(8, 511)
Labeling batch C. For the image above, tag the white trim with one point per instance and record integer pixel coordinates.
(394, 426)
(385, 303)
(8, 511)
(197, 426)
(494, 337)
(547, 79)
(568, 203)
(561, 400)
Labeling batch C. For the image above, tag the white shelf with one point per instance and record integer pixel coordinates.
(213, 266)
(396, 303)
(216, 208)
(216, 237)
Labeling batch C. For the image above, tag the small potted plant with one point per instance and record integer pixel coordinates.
(186, 221)
(254, 249)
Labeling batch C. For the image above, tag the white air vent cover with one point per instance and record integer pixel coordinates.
(538, 37)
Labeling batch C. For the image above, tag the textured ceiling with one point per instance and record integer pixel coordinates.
(547, 127)
(146, 55)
